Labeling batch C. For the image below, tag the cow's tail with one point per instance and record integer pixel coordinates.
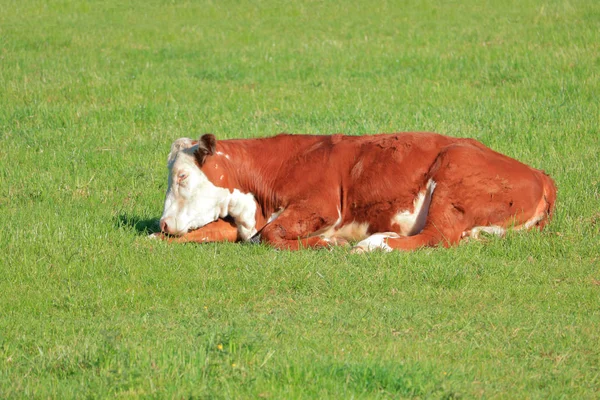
(549, 195)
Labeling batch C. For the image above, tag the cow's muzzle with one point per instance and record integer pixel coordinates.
(168, 225)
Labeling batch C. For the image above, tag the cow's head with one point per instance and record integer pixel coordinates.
(192, 200)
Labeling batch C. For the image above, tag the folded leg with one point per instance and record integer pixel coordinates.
(302, 227)
(219, 231)
(476, 191)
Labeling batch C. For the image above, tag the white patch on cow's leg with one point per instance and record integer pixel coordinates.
(242, 207)
(353, 231)
(329, 231)
(532, 221)
(340, 235)
(336, 241)
(376, 241)
(275, 215)
(538, 216)
(476, 231)
(411, 223)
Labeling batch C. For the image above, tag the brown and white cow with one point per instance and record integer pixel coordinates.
(388, 191)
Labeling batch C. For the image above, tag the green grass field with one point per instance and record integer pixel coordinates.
(93, 93)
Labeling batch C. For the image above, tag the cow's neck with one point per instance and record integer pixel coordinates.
(250, 170)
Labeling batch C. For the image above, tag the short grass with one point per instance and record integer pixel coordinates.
(93, 93)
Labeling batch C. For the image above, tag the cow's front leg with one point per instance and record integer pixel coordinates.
(301, 227)
(222, 230)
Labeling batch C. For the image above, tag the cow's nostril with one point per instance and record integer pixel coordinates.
(164, 226)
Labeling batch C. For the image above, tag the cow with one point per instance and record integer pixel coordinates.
(399, 191)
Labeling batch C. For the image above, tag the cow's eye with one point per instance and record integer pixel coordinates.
(181, 177)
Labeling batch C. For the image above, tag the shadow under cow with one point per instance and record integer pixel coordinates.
(143, 226)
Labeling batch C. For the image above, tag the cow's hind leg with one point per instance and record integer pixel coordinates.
(476, 191)
(444, 226)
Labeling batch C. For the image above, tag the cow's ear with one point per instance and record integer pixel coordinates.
(207, 146)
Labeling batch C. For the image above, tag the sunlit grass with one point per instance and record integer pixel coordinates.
(93, 93)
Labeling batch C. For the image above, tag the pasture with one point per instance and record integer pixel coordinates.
(93, 93)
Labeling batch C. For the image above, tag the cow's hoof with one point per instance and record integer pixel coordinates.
(254, 239)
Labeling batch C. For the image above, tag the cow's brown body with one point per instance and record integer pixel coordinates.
(325, 190)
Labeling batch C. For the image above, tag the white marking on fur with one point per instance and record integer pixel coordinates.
(533, 221)
(220, 153)
(242, 207)
(476, 231)
(275, 215)
(411, 223)
(539, 214)
(376, 241)
(330, 230)
(353, 231)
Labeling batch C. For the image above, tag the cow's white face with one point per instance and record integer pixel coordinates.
(192, 201)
